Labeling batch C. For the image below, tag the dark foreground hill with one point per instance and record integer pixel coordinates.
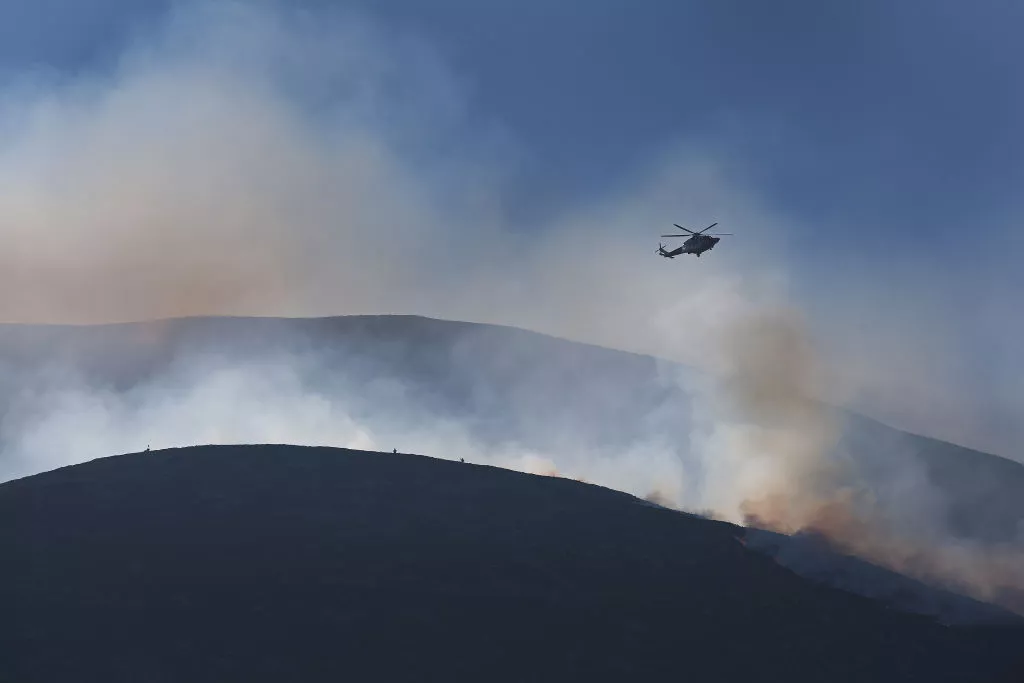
(273, 563)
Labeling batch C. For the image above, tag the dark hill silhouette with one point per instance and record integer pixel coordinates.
(276, 563)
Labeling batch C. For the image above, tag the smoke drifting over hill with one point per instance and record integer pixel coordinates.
(781, 443)
(255, 160)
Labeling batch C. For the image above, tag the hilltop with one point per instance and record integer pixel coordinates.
(270, 563)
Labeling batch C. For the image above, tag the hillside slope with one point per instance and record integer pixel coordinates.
(502, 385)
(271, 563)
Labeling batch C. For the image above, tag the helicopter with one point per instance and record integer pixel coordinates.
(696, 243)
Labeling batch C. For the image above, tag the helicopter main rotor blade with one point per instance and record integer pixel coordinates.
(707, 228)
(713, 234)
(686, 229)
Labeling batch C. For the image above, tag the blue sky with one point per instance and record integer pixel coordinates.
(886, 135)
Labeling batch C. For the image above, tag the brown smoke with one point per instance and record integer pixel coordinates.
(991, 573)
(771, 380)
(198, 177)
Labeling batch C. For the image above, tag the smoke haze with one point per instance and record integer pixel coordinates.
(251, 160)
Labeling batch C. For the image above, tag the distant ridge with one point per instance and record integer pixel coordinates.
(382, 323)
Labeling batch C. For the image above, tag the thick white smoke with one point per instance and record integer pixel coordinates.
(206, 399)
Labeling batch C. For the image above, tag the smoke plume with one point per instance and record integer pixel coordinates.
(776, 444)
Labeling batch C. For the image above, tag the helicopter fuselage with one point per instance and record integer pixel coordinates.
(697, 245)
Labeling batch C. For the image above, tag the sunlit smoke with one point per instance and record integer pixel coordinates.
(774, 445)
